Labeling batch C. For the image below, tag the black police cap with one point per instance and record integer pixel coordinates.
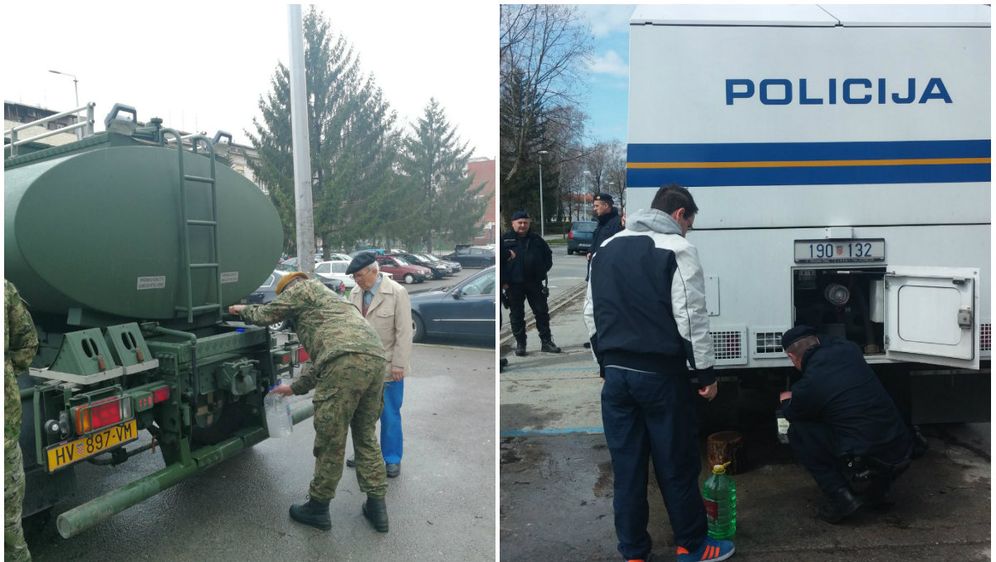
(795, 334)
(520, 215)
(359, 262)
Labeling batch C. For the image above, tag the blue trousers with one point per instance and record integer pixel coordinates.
(652, 416)
(390, 422)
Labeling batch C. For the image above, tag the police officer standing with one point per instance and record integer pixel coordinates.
(609, 222)
(347, 373)
(845, 429)
(20, 343)
(523, 279)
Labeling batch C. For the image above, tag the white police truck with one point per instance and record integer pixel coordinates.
(840, 158)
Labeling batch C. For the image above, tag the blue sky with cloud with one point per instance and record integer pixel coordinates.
(606, 101)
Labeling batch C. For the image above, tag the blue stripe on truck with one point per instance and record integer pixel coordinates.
(653, 165)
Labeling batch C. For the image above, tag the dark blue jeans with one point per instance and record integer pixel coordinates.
(646, 416)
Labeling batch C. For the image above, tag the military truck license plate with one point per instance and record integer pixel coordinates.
(75, 451)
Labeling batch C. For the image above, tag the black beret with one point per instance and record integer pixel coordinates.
(520, 215)
(359, 262)
(795, 334)
(604, 197)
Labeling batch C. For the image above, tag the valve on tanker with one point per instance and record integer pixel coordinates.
(837, 294)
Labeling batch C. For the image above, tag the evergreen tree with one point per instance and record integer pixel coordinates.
(522, 130)
(444, 203)
(352, 143)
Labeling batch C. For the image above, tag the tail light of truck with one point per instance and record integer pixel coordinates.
(570, 235)
(160, 394)
(302, 355)
(99, 414)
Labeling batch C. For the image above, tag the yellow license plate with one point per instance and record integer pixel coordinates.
(75, 451)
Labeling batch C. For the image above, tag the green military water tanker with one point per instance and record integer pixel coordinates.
(128, 246)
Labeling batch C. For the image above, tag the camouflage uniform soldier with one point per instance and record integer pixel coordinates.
(20, 343)
(347, 374)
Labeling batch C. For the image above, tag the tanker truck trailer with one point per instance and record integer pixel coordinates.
(128, 246)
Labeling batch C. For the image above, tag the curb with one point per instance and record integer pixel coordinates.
(562, 300)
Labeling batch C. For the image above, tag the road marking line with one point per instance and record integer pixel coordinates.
(591, 430)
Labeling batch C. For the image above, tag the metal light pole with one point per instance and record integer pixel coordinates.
(541, 154)
(76, 93)
(300, 143)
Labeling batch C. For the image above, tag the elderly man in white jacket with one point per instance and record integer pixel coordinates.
(386, 306)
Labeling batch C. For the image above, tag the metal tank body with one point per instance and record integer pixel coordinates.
(97, 227)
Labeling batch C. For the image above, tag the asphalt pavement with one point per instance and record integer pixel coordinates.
(440, 508)
(556, 480)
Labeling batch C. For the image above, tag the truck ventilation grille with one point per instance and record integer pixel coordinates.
(768, 344)
(728, 346)
(986, 337)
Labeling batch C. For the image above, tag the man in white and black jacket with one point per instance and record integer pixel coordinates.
(646, 316)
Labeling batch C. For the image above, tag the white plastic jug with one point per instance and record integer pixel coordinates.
(278, 415)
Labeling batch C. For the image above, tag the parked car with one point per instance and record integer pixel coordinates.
(466, 310)
(266, 293)
(439, 270)
(403, 270)
(378, 251)
(450, 267)
(453, 265)
(335, 270)
(472, 256)
(580, 236)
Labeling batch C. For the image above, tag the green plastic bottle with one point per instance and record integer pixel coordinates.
(720, 495)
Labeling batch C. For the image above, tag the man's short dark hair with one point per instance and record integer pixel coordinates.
(672, 197)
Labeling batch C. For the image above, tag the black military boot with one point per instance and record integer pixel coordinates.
(375, 510)
(313, 513)
(549, 346)
(520, 348)
(840, 505)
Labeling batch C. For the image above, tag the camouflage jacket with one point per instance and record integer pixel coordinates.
(326, 324)
(20, 343)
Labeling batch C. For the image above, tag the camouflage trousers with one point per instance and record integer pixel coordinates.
(352, 391)
(14, 547)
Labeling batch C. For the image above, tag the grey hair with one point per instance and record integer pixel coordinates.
(801, 345)
(374, 266)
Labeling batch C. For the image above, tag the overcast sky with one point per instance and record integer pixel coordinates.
(203, 66)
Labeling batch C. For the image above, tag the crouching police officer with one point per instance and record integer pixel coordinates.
(845, 429)
(347, 373)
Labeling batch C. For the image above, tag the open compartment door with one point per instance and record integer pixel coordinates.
(932, 315)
